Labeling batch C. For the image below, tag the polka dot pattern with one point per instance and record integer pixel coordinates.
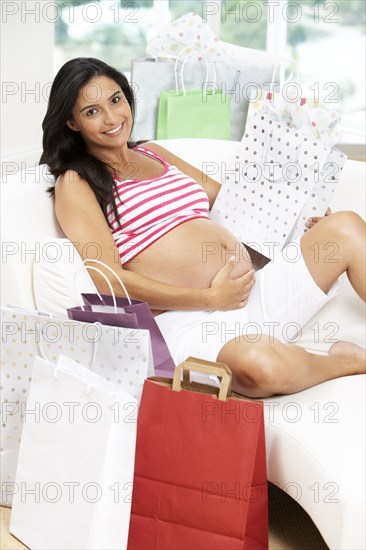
(190, 32)
(321, 194)
(275, 176)
(126, 362)
(122, 356)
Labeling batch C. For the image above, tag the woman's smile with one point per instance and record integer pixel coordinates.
(115, 131)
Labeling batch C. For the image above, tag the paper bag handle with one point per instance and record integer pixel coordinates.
(113, 273)
(207, 367)
(191, 51)
(91, 268)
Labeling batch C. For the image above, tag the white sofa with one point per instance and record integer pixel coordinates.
(316, 438)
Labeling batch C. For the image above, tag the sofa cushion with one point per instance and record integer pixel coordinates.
(27, 218)
(59, 277)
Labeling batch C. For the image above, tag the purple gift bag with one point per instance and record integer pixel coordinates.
(104, 316)
(124, 312)
(163, 362)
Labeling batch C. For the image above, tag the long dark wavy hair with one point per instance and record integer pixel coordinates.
(64, 149)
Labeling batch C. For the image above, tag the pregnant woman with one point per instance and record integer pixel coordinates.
(146, 211)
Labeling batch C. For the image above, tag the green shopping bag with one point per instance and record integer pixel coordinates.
(193, 113)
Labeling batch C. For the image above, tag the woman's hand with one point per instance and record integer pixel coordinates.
(227, 293)
(312, 221)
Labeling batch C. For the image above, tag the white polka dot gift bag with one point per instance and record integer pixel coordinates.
(322, 126)
(297, 106)
(275, 182)
(122, 356)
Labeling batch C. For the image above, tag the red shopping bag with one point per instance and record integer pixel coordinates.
(200, 477)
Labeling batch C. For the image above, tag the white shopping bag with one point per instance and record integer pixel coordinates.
(275, 174)
(122, 356)
(74, 478)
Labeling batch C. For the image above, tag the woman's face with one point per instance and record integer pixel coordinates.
(101, 114)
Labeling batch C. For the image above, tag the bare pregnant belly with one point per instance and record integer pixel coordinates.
(191, 254)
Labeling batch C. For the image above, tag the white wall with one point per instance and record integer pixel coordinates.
(27, 43)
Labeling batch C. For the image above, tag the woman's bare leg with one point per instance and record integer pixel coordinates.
(268, 367)
(337, 244)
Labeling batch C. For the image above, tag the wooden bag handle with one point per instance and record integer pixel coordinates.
(221, 370)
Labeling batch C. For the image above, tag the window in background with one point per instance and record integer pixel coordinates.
(115, 31)
(180, 7)
(244, 23)
(329, 45)
(326, 38)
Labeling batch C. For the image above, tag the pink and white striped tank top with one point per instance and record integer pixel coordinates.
(149, 208)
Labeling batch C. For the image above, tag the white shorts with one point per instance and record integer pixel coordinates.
(283, 298)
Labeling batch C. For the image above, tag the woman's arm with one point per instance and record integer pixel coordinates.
(211, 186)
(83, 222)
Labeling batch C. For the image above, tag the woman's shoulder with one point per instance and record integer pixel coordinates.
(163, 153)
(154, 147)
(71, 180)
(68, 177)
(70, 184)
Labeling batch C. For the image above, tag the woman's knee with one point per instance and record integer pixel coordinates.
(343, 226)
(258, 368)
(329, 245)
